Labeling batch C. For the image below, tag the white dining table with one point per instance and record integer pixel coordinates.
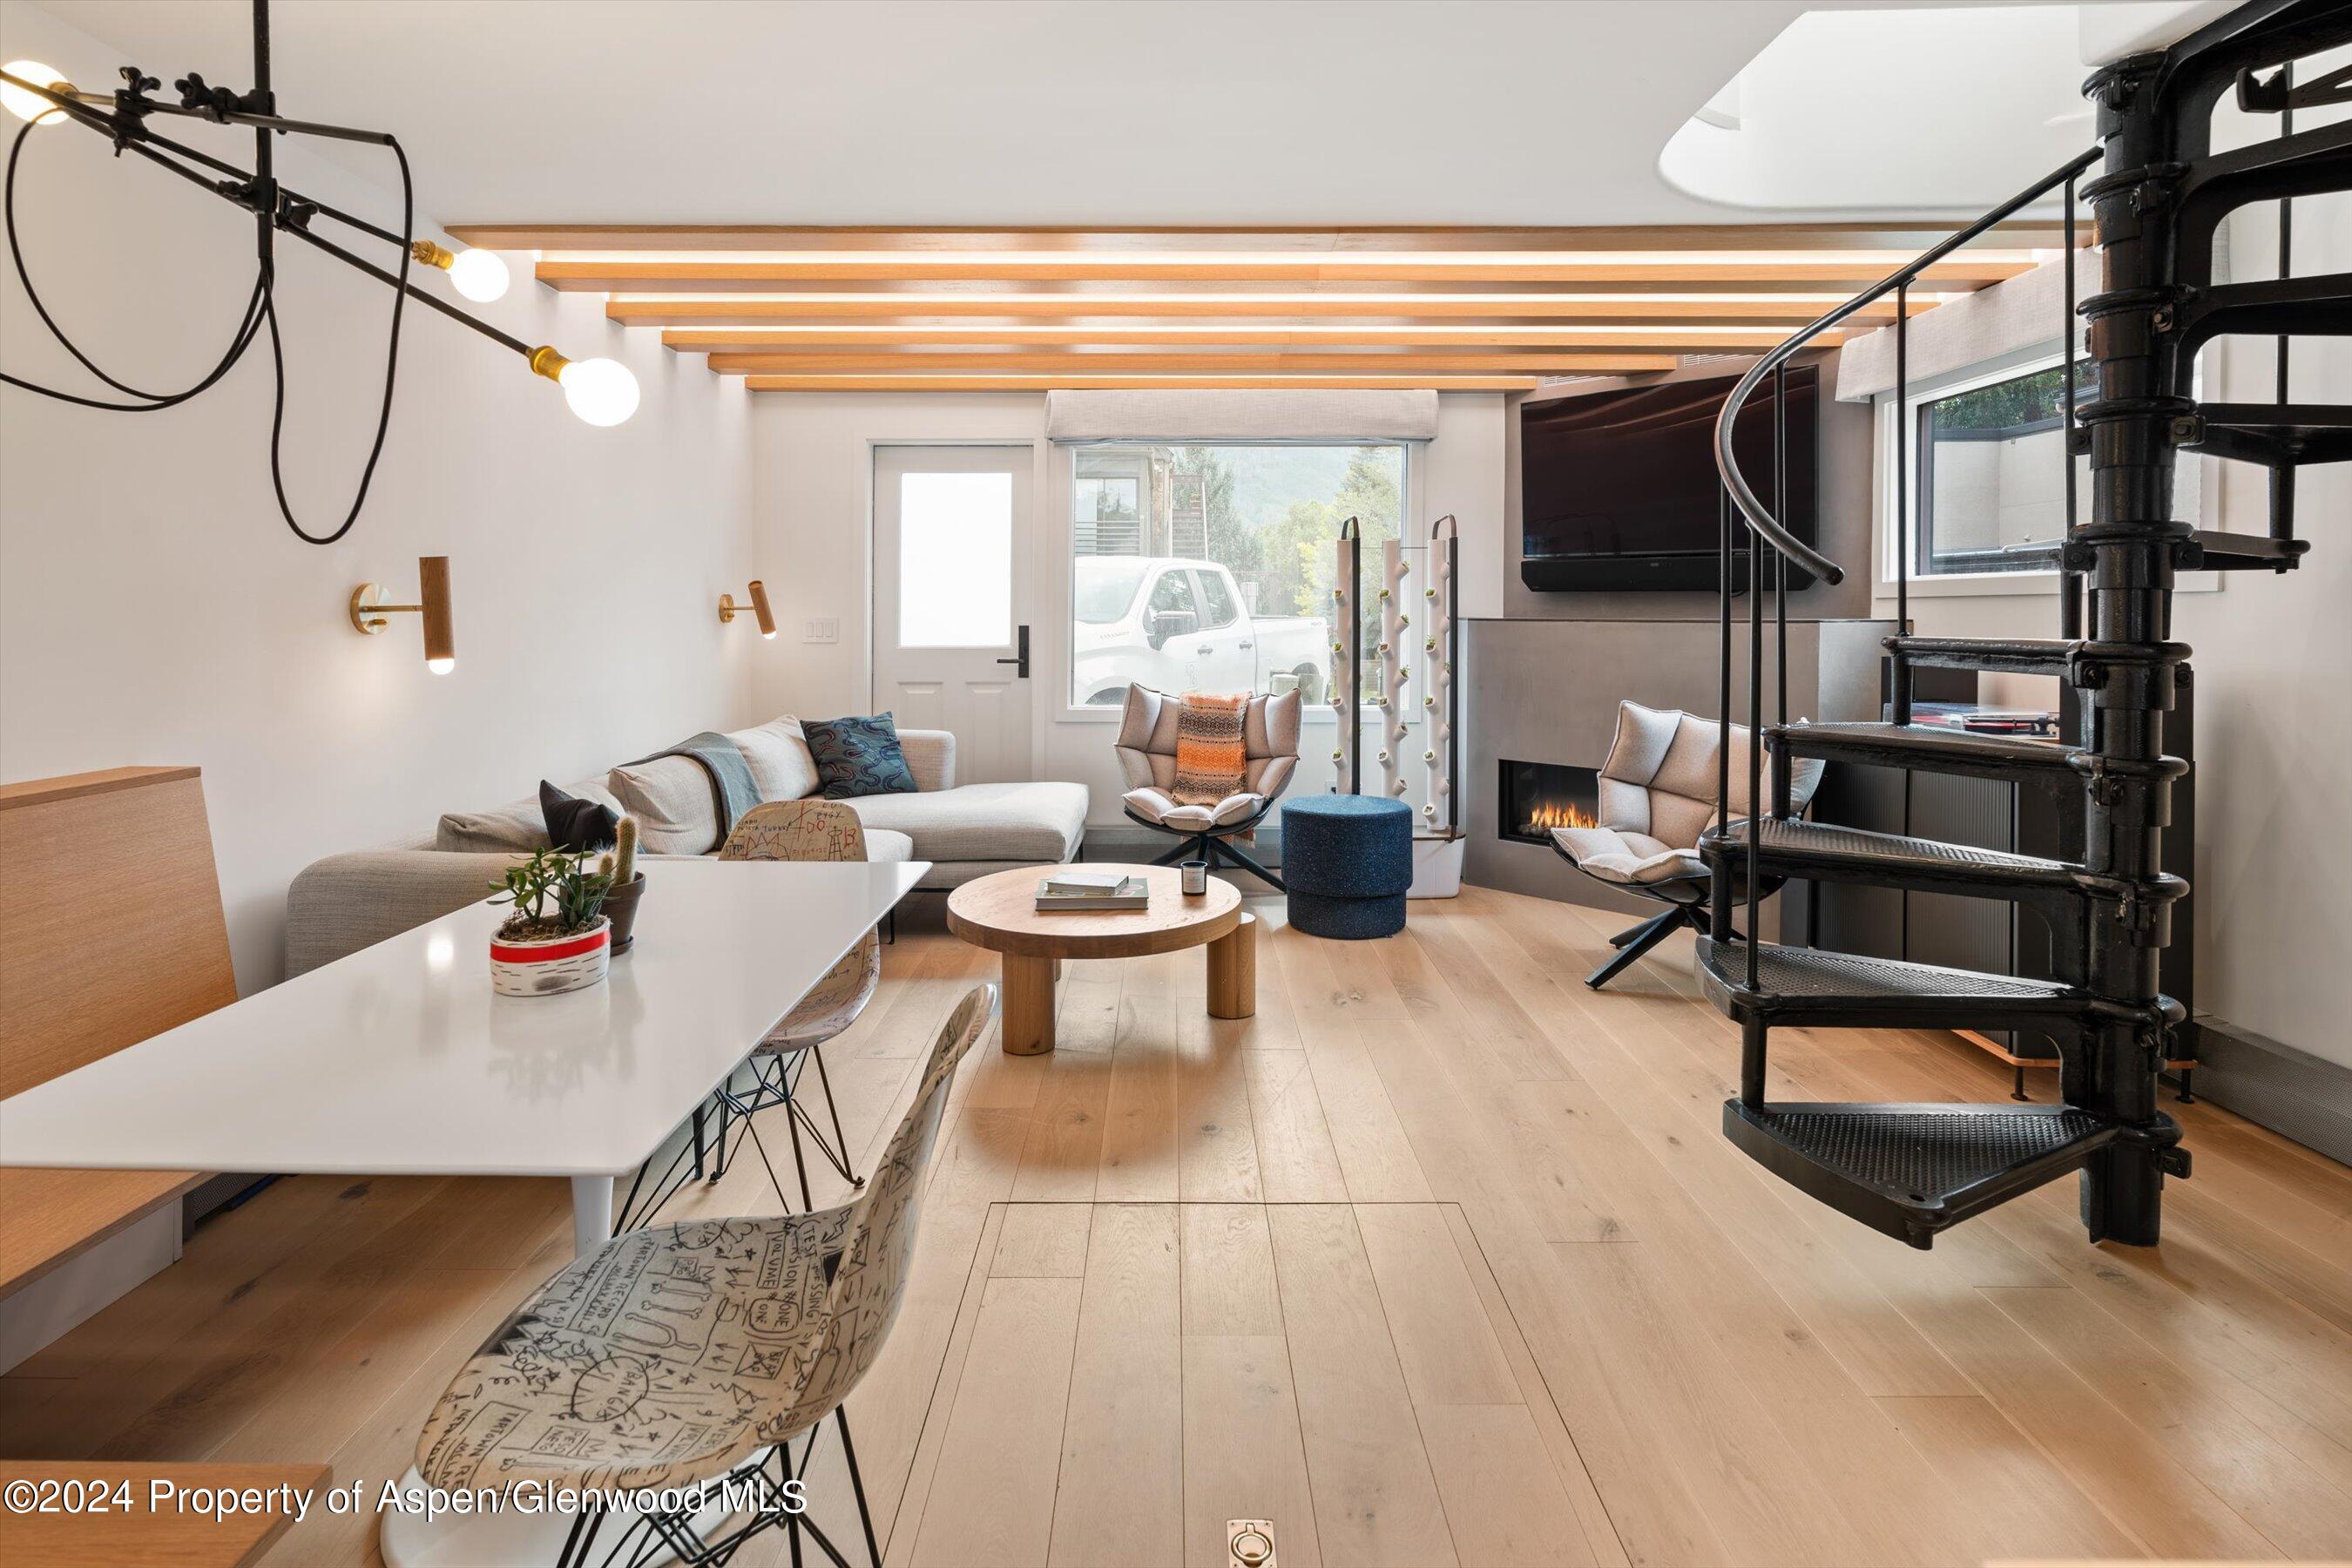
(400, 1060)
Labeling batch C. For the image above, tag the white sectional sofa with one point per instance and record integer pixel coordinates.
(345, 902)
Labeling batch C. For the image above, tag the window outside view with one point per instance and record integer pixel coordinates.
(1210, 568)
(1989, 471)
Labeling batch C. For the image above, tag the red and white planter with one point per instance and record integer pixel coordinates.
(551, 965)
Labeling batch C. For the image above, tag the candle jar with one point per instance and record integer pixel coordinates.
(1195, 875)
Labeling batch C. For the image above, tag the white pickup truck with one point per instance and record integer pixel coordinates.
(1177, 625)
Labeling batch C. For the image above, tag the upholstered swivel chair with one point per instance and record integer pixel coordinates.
(1147, 751)
(801, 830)
(699, 1349)
(1656, 797)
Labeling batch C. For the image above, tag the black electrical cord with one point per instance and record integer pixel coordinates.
(149, 400)
(260, 309)
(391, 368)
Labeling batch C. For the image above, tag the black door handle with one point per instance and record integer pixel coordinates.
(1021, 654)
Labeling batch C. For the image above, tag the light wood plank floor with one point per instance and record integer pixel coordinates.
(1441, 1258)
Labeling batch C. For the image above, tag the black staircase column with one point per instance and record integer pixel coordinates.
(2143, 379)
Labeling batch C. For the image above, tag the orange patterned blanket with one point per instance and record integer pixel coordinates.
(1210, 759)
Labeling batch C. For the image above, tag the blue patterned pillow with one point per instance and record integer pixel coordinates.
(857, 757)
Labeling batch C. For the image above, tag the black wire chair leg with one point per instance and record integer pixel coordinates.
(857, 1486)
(840, 1139)
(698, 1160)
(800, 1163)
(718, 1153)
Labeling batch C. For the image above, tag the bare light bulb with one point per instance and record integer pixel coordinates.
(479, 275)
(440, 665)
(32, 106)
(600, 391)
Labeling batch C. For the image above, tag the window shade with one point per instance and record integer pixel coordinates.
(1241, 415)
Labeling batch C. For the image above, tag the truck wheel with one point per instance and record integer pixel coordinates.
(1310, 685)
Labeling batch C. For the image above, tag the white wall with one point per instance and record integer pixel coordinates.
(812, 476)
(153, 608)
(2274, 664)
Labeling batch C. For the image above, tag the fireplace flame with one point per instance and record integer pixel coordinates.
(1559, 813)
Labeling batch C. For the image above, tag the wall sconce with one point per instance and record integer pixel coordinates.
(368, 610)
(728, 609)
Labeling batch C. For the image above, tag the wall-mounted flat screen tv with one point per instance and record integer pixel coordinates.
(1618, 489)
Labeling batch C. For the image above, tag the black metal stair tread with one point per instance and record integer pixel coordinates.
(2276, 433)
(1913, 1170)
(2019, 655)
(2218, 551)
(1814, 973)
(1928, 743)
(1784, 839)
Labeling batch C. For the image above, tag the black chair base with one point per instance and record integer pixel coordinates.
(1215, 846)
(1635, 941)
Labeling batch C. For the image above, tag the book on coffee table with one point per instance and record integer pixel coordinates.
(1063, 895)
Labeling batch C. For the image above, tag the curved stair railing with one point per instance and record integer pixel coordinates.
(1913, 1170)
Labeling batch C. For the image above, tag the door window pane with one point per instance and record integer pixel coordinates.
(955, 560)
(1216, 600)
(1239, 536)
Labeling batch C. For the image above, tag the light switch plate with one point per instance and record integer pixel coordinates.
(1249, 1544)
(825, 630)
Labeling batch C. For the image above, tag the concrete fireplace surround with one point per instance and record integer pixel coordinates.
(1547, 691)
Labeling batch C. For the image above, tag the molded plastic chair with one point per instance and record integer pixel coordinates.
(801, 830)
(1147, 751)
(1656, 797)
(700, 1350)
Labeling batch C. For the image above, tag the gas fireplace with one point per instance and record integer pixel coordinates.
(1533, 798)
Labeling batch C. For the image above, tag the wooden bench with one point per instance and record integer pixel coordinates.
(110, 919)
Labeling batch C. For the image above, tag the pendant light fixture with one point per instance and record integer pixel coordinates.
(600, 391)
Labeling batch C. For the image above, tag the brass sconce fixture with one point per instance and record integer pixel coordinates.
(368, 610)
(728, 609)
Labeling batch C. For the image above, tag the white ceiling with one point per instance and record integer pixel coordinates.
(999, 112)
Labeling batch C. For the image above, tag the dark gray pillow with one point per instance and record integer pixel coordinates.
(576, 824)
(859, 756)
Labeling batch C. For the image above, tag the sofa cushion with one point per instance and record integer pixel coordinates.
(670, 798)
(1037, 823)
(859, 755)
(1157, 805)
(782, 763)
(884, 845)
(518, 824)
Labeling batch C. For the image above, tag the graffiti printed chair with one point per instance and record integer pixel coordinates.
(1147, 751)
(1657, 795)
(696, 1351)
(800, 830)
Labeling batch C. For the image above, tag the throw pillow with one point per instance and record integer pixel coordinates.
(573, 822)
(780, 759)
(859, 756)
(1210, 760)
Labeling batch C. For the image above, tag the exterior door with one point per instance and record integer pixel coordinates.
(950, 587)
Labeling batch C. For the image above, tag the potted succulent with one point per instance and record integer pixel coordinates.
(626, 884)
(557, 938)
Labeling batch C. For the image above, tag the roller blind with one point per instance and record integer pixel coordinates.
(1241, 415)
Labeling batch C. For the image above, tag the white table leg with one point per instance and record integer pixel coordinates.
(592, 1214)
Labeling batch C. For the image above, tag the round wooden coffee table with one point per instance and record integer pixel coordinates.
(999, 912)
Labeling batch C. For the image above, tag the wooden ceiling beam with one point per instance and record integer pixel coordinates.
(1108, 383)
(1732, 271)
(1699, 340)
(1275, 363)
(1493, 311)
(1909, 235)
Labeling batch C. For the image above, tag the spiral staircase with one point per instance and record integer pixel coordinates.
(1913, 1170)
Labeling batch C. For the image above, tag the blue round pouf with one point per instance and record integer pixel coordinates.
(1346, 860)
(1349, 919)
